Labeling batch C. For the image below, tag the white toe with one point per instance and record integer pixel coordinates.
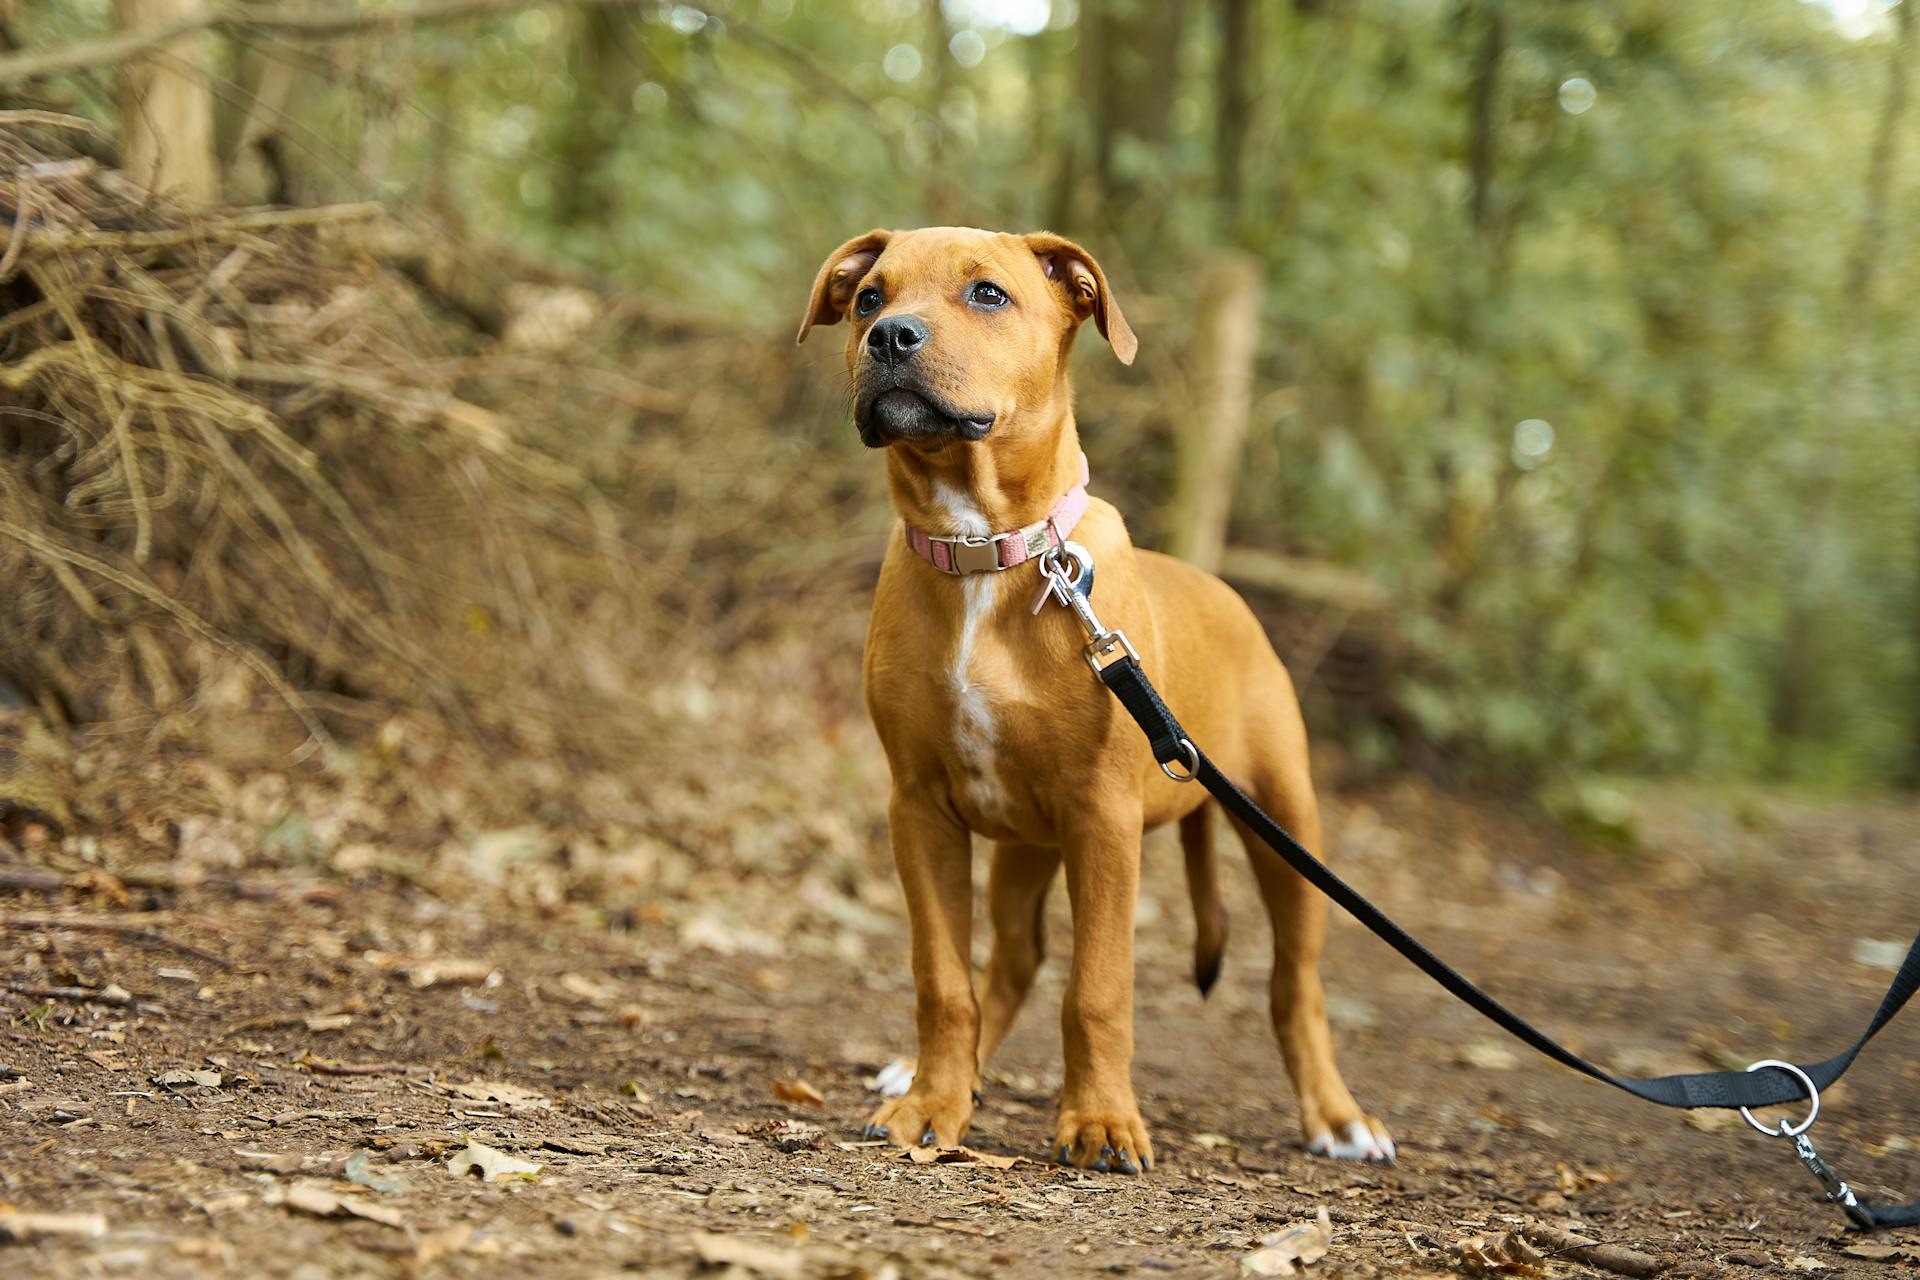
(894, 1079)
(1358, 1143)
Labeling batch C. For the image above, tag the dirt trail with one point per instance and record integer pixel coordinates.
(639, 1071)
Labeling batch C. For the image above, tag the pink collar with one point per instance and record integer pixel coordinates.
(964, 554)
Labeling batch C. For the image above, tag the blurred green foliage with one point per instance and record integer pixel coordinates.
(1585, 324)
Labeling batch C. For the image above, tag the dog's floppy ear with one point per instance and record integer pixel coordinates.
(1087, 293)
(833, 287)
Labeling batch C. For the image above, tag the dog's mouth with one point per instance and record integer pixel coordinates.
(888, 414)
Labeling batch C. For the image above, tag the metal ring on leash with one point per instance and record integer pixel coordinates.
(1192, 762)
(1785, 1129)
(1054, 561)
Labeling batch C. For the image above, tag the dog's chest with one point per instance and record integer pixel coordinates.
(974, 681)
(982, 686)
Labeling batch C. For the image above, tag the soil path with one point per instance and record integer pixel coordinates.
(364, 1035)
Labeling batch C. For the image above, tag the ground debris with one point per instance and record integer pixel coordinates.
(492, 1165)
(1511, 1255)
(322, 1201)
(962, 1156)
(511, 1096)
(1558, 1242)
(422, 972)
(798, 1091)
(716, 1250)
(271, 1161)
(1285, 1252)
(188, 1079)
(1487, 1055)
(21, 1227)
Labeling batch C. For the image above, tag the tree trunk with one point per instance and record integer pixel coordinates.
(1138, 47)
(1226, 338)
(1482, 149)
(942, 196)
(605, 74)
(1797, 690)
(1235, 105)
(166, 107)
(271, 75)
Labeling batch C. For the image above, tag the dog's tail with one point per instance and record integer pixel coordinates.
(1203, 885)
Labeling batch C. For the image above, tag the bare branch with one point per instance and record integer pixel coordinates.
(296, 25)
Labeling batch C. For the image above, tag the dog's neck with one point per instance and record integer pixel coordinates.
(986, 487)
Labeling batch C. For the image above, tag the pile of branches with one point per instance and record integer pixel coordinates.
(236, 472)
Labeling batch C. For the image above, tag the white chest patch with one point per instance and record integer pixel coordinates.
(973, 727)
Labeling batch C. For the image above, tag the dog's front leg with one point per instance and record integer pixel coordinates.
(1100, 1125)
(933, 853)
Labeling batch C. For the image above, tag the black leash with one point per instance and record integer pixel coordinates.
(1766, 1083)
(1783, 1082)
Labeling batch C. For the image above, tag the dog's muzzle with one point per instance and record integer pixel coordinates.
(888, 408)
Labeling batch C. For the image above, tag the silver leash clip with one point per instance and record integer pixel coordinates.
(1067, 568)
(1836, 1188)
(1067, 572)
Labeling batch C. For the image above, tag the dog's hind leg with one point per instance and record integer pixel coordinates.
(1332, 1121)
(1203, 887)
(1017, 882)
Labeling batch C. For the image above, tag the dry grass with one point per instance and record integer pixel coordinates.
(250, 461)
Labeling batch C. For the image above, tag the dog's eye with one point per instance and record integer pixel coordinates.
(868, 301)
(988, 297)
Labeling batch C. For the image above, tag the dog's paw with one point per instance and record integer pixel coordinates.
(1362, 1139)
(1110, 1140)
(921, 1118)
(892, 1080)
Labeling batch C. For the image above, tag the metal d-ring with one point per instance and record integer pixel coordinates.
(1191, 760)
(1785, 1129)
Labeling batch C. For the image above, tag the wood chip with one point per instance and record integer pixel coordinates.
(1617, 1258)
(31, 1226)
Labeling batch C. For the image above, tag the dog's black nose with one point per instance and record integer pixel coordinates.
(895, 338)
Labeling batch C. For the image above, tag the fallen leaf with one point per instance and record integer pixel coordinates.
(798, 1091)
(329, 1021)
(1284, 1253)
(1212, 1141)
(359, 1171)
(962, 1155)
(422, 973)
(1805, 1263)
(323, 1202)
(271, 1161)
(511, 1096)
(1573, 1181)
(761, 1259)
(435, 973)
(184, 1079)
(585, 990)
(1487, 1056)
(1878, 1252)
(573, 1146)
(30, 1226)
(491, 1165)
(221, 1204)
(1716, 1054)
(1876, 954)
(440, 1244)
(1711, 1120)
(793, 1135)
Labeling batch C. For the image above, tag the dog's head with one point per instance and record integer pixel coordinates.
(958, 333)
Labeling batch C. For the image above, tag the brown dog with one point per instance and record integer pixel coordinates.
(992, 722)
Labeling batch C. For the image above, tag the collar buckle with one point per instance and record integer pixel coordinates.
(976, 555)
